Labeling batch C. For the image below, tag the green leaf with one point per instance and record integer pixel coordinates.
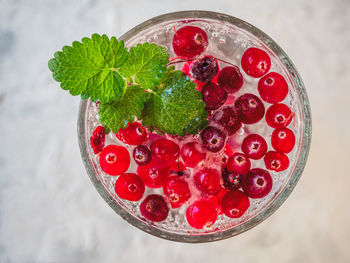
(175, 107)
(90, 68)
(117, 114)
(146, 64)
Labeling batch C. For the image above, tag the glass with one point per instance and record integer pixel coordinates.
(223, 29)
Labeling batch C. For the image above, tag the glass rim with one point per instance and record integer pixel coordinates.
(289, 186)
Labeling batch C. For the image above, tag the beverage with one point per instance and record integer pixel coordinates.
(267, 139)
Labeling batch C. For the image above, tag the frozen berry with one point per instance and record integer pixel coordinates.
(272, 88)
(201, 214)
(154, 173)
(231, 180)
(130, 187)
(227, 117)
(189, 41)
(230, 78)
(254, 146)
(114, 160)
(283, 140)
(133, 134)
(165, 149)
(192, 153)
(207, 181)
(239, 163)
(255, 62)
(205, 69)
(235, 203)
(276, 161)
(278, 115)
(97, 139)
(213, 95)
(213, 139)
(250, 108)
(257, 183)
(154, 208)
(177, 191)
(142, 155)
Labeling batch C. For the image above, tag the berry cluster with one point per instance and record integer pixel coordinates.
(176, 164)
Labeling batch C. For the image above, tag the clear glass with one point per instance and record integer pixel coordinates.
(225, 31)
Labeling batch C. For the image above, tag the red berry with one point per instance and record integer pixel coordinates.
(283, 140)
(238, 163)
(133, 134)
(235, 203)
(114, 160)
(213, 95)
(255, 62)
(230, 78)
(227, 117)
(192, 153)
(213, 139)
(165, 149)
(97, 139)
(217, 199)
(231, 180)
(177, 191)
(272, 88)
(177, 166)
(208, 181)
(201, 214)
(142, 155)
(154, 208)
(154, 173)
(228, 150)
(257, 183)
(276, 161)
(189, 42)
(279, 116)
(254, 146)
(205, 69)
(250, 108)
(130, 187)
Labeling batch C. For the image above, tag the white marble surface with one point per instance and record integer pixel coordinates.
(49, 210)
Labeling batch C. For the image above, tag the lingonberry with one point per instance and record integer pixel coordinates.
(283, 140)
(273, 87)
(133, 134)
(142, 155)
(165, 149)
(177, 191)
(257, 183)
(213, 95)
(235, 203)
(238, 163)
(254, 146)
(114, 160)
(255, 62)
(207, 180)
(204, 69)
(213, 139)
(201, 214)
(278, 115)
(154, 173)
(130, 187)
(231, 180)
(154, 208)
(276, 161)
(192, 153)
(230, 78)
(250, 108)
(227, 117)
(97, 139)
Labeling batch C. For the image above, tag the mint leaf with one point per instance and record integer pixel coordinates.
(117, 114)
(90, 68)
(175, 107)
(146, 64)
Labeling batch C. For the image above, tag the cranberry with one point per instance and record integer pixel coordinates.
(201, 214)
(279, 116)
(192, 154)
(276, 161)
(254, 146)
(154, 208)
(213, 95)
(231, 180)
(154, 173)
(255, 62)
(228, 150)
(177, 166)
(177, 191)
(283, 140)
(133, 134)
(97, 139)
(205, 69)
(235, 203)
(142, 155)
(208, 181)
(189, 42)
(227, 117)
(213, 139)
(250, 108)
(165, 149)
(130, 187)
(217, 199)
(230, 78)
(257, 183)
(238, 163)
(114, 160)
(272, 88)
